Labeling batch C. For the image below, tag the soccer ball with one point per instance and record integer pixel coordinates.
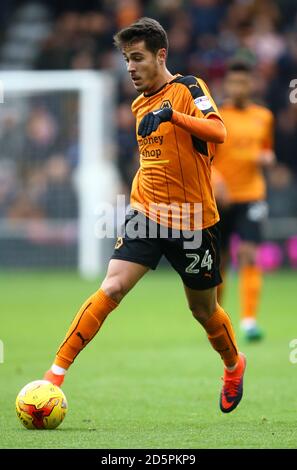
(41, 405)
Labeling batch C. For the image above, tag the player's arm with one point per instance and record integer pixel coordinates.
(199, 115)
(267, 156)
(210, 129)
(220, 188)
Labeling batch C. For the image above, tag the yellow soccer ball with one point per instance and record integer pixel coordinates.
(41, 405)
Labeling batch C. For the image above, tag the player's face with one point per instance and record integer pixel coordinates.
(238, 86)
(143, 66)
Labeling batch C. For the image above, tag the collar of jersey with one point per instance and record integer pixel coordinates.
(161, 88)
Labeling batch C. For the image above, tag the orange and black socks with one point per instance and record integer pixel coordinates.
(84, 327)
(221, 336)
(250, 290)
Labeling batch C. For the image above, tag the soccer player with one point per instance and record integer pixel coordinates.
(177, 126)
(240, 186)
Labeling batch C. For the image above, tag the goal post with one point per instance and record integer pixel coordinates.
(96, 176)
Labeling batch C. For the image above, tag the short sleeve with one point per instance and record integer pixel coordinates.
(202, 104)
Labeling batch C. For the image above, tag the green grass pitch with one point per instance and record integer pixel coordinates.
(149, 379)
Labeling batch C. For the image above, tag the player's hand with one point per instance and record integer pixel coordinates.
(267, 158)
(151, 121)
(221, 194)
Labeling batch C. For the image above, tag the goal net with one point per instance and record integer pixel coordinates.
(56, 167)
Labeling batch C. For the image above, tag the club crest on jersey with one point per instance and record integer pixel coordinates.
(119, 243)
(202, 102)
(166, 104)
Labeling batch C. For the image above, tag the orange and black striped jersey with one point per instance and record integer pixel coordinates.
(175, 166)
(249, 131)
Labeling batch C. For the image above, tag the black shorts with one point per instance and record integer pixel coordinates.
(197, 266)
(244, 219)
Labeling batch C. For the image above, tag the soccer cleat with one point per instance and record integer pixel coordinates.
(232, 390)
(253, 334)
(54, 378)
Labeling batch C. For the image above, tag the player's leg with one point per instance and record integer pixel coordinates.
(250, 282)
(226, 226)
(223, 268)
(120, 279)
(219, 329)
(205, 308)
(198, 268)
(250, 276)
(133, 256)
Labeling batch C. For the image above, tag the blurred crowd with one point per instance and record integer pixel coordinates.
(203, 35)
(39, 153)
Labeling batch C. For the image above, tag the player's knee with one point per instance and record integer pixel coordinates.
(114, 288)
(247, 255)
(247, 259)
(201, 312)
(201, 315)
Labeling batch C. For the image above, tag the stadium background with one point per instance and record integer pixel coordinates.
(38, 161)
(39, 147)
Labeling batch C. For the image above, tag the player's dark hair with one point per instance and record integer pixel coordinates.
(145, 29)
(240, 66)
